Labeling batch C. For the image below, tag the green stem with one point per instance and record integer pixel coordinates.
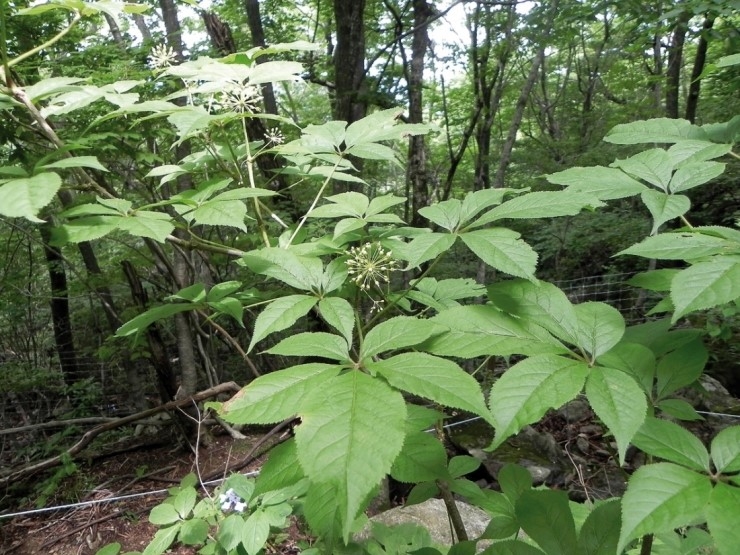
(452, 511)
(647, 544)
(686, 222)
(47, 44)
(250, 173)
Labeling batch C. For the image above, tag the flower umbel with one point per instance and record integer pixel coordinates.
(274, 136)
(162, 56)
(241, 98)
(370, 265)
(231, 501)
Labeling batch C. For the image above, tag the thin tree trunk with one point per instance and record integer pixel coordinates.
(692, 102)
(63, 335)
(115, 32)
(254, 20)
(675, 62)
(140, 22)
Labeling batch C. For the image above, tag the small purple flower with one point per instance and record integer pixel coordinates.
(231, 501)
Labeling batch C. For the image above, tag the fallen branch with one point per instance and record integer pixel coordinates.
(86, 439)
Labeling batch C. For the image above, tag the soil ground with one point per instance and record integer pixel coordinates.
(84, 530)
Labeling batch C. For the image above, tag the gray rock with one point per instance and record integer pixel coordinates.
(432, 515)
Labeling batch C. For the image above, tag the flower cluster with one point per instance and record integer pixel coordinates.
(162, 56)
(241, 98)
(274, 136)
(369, 265)
(231, 501)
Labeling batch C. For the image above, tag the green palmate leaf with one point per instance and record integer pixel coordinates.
(546, 518)
(301, 272)
(445, 214)
(669, 441)
(339, 440)
(319, 344)
(541, 302)
(722, 518)
(600, 327)
(333, 276)
(530, 388)
(679, 246)
(661, 497)
(143, 321)
(152, 225)
(338, 313)
(619, 402)
(680, 368)
(425, 247)
(373, 151)
(654, 280)
(422, 459)
(382, 125)
(164, 514)
(659, 130)
(664, 207)
(478, 330)
(541, 204)
(348, 225)
(77, 162)
(230, 213)
(691, 175)
(726, 450)
(685, 153)
(636, 360)
(280, 314)
(274, 397)
(396, 333)
(654, 166)
(280, 470)
(351, 204)
(706, 285)
(24, 198)
(599, 534)
(255, 531)
(381, 204)
(601, 182)
(433, 378)
(162, 540)
(503, 249)
(477, 201)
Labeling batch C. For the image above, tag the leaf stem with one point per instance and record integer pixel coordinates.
(250, 173)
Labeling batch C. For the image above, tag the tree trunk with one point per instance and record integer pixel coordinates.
(140, 22)
(692, 102)
(63, 336)
(115, 32)
(349, 61)
(254, 20)
(675, 62)
(417, 173)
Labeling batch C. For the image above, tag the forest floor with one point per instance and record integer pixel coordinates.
(83, 530)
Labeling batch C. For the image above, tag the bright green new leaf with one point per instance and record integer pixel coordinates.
(619, 402)
(162, 540)
(318, 344)
(601, 182)
(146, 319)
(658, 130)
(697, 173)
(223, 289)
(664, 207)
(599, 534)
(504, 250)
(396, 333)
(680, 368)
(276, 396)
(540, 204)
(705, 285)
(255, 532)
(382, 203)
(722, 518)
(654, 166)
(280, 314)
(726, 450)
(334, 276)
(445, 214)
(661, 497)
(669, 441)
(425, 247)
(479, 330)
(301, 272)
(600, 327)
(434, 378)
(24, 198)
(477, 201)
(77, 162)
(164, 514)
(678, 246)
(339, 314)
(339, 440)
(530, 388)
(423, 458)
(350, 204)
(546, 518)
(685, 153)
(184, 501)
